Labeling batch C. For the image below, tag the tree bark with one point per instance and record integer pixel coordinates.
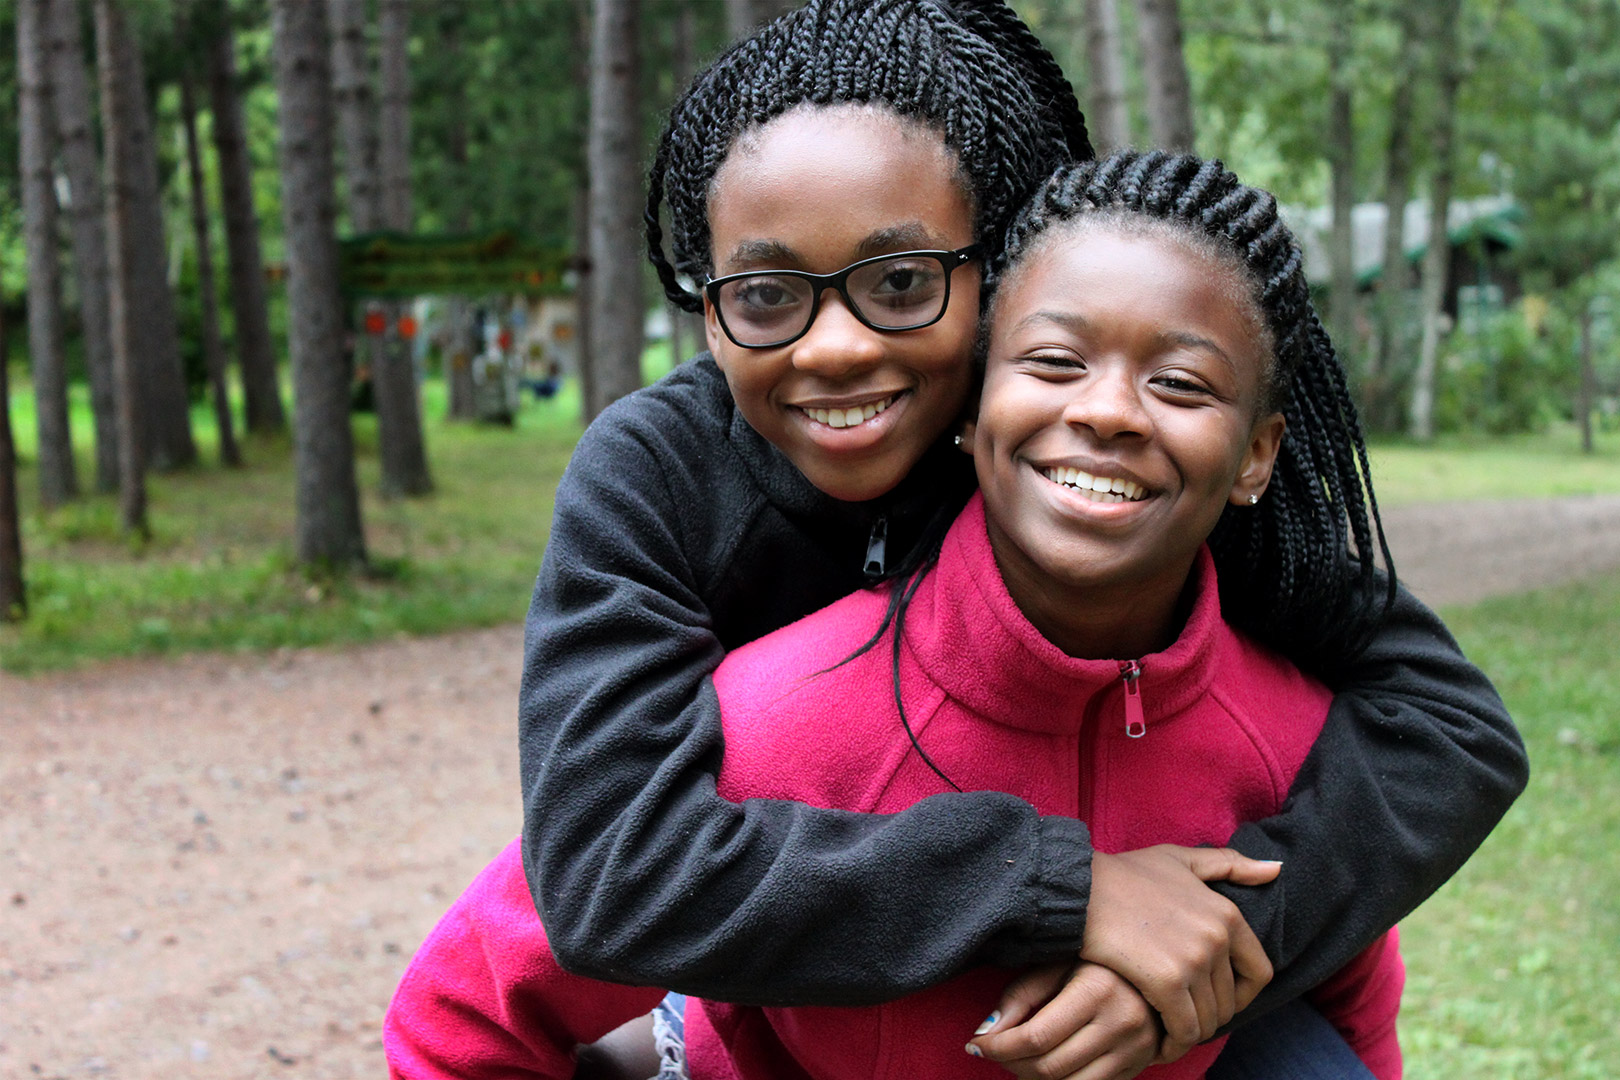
(393, 376)
(116, 106)
(261, 388)
(1586, 395)
(585, 351)
(1384, 355)
(165, 404)
(13, 593)
(1108, 111)
(1164, 69)
(213, 348)
(1341, 154)
(70, 93)
(58, 480)
(357, 114)
(615, 188)
(743, 17)
(1437, 257)
(459, 348)
(328, 498)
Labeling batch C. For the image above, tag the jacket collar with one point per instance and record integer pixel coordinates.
(974, 643)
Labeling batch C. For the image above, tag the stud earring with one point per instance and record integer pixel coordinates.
(1253, 499)
(956, 440)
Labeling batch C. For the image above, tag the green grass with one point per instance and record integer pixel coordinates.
(218, 572)
(1514, 964)
(1507, 467)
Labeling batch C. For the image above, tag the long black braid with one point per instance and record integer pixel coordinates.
(1297, 571)
(968, 68)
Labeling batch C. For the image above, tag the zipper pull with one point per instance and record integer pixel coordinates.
(877, 549)
(1131, 673)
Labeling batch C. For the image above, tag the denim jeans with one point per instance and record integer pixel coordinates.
(1292, 1043)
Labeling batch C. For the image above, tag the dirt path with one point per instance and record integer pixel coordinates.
(218, 867)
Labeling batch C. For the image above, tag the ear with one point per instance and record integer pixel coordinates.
(1265, 440)
(712, 334)
(970, 430)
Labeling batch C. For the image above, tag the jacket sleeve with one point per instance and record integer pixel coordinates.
(1417, 762)
(644, 874)
(483, 999)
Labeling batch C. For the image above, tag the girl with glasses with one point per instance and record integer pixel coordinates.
(726, 502)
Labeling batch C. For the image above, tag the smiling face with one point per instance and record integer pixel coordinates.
(817, 189)
(1126, 362)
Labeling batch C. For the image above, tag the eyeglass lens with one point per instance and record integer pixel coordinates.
(894, 294)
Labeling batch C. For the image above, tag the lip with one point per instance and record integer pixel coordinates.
(1073, 503)
(1096, 467)
(858, 437)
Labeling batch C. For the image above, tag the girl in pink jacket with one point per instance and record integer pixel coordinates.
(1154, 377)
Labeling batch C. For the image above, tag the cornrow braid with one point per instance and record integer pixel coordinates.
(969, 69)
(1297, 571)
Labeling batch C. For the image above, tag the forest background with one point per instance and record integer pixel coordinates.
(534, 119)
(468, 117)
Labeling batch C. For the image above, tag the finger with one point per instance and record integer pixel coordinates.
(1250, 965)
(1073, 1007)
(1025, 994)
(1225, 864)
(1099, 1051)
(1179, 1014)
(1226, 1005)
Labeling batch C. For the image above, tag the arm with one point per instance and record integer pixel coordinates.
(1416, 764)
(644, 874)
(484, 999)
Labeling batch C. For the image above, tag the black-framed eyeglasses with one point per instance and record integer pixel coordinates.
(763, 309)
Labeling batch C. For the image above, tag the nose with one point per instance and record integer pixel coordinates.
(1109, 402)
(837, 345)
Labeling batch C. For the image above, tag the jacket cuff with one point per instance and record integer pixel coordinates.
(1059, 889)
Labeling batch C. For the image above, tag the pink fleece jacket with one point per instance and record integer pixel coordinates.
(1212, 736)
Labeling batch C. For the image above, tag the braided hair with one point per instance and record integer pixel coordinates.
(969, 69)
(1297, 570)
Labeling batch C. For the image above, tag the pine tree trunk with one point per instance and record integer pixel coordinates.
(743, 17)
(1108, 112)
(58, 480)
(13, 594)
(1385, 357)
(256, 356)
(328, 496)
(615, 179)
(1437, 257)
(356, 112)
(165, 407)
(393, 376)
(111, 38)
(213, 348)
(70, 93)
(1164, 69)
(1586, 396)
(585, 351)
(1341, 154)
(459, 348)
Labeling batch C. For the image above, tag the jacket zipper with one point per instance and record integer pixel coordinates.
(1130, 672)
(877, 549)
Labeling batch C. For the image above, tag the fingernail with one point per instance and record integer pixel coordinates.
(974, 1050)
(989, 1022)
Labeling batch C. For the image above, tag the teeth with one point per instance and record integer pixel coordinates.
(843, 418)
(1107, 489)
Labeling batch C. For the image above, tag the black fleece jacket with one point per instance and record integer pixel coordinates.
(680, 533)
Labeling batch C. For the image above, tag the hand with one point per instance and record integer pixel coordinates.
(1181, 944)
(1077, 1021)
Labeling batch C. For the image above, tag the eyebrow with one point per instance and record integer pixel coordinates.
(1074, 322)
(773, 254)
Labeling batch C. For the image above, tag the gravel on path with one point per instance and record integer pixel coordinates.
(219, 866)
